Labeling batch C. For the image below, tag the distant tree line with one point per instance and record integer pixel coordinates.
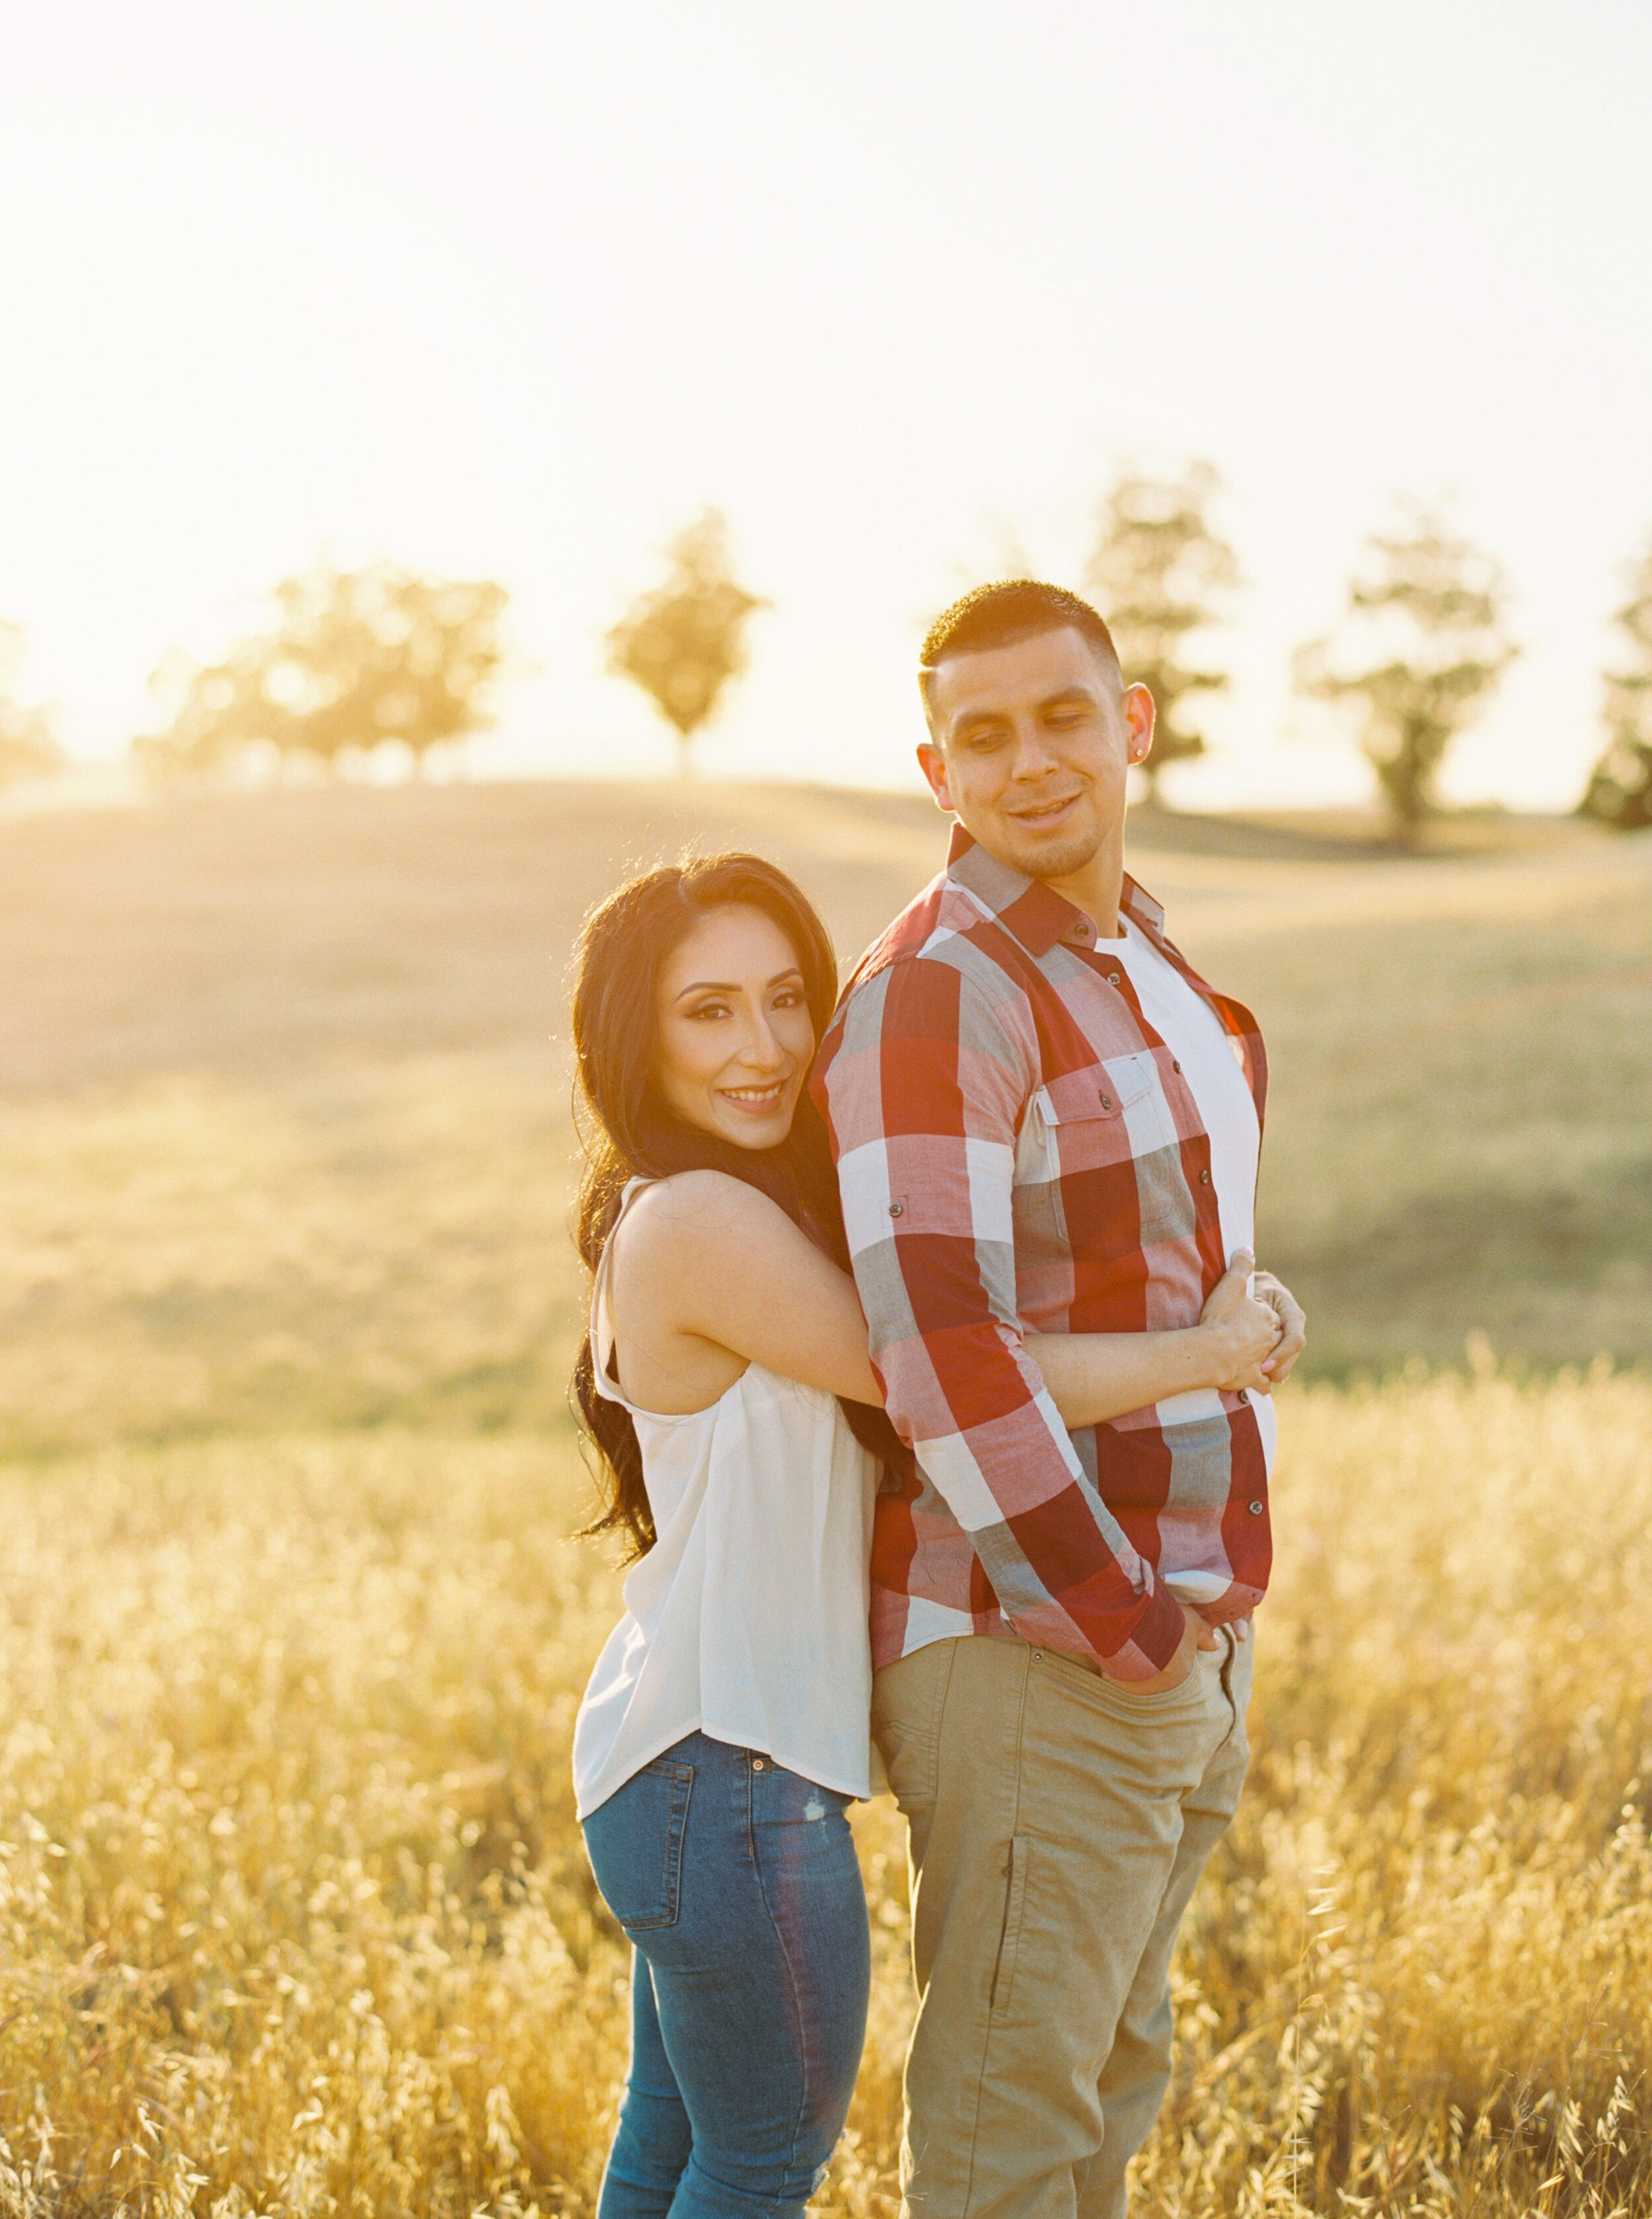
(353, 659)
(1422, 645)
(1420, 649)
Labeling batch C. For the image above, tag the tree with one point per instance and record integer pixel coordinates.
(1159, 573)
(1620, 791)
(354, 657)
(1422, 649)
(29, 745)
(682, 642)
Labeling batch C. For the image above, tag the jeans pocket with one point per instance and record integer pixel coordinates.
(634, 1841)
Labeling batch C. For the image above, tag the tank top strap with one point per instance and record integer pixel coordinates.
(602, 1334)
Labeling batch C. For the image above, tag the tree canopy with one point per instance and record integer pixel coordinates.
(354, 658)
(1422, 648)
(29, 743)
(682, 641)
(1160, 574)
(1620, 791)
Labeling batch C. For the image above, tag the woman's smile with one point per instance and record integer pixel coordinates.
(754, 1097)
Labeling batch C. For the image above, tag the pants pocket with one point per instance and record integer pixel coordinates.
(634, 1841)
(908, 1699)
(1015, 1908)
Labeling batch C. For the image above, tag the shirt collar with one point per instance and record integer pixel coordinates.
(1035, 913)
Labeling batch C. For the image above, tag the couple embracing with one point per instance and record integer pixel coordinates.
(930, 1375)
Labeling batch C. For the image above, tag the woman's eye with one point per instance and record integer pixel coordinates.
(710, 1010)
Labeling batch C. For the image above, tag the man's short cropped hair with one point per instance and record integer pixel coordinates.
(1003, 614)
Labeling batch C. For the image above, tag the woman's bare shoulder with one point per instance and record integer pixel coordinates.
(691, 1217)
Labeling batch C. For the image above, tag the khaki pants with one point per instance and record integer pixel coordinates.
(1059, 1824)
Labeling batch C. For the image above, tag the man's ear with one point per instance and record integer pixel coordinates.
(1137, 704)
(933, 764)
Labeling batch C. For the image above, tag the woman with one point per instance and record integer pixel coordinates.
(725, 1728)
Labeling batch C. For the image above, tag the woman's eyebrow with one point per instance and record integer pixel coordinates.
(731, 985)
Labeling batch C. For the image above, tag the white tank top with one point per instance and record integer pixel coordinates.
(748, 1619)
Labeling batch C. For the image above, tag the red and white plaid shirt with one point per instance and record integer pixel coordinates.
(1018, 1151)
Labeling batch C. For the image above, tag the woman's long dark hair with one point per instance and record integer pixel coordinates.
(629, 1133)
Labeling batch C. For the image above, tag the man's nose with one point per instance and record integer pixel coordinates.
(1031, 757)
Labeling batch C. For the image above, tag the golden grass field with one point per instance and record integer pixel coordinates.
(293, 1917)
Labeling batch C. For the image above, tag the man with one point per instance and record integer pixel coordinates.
(1044, 1119)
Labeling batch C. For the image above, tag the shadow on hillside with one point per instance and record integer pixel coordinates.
(1246, 839)
(1172, 832)
(1346, 835)
(1554, 1275)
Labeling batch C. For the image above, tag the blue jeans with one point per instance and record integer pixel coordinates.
(736, 1882)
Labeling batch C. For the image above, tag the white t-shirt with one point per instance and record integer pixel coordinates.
(1210, 1060)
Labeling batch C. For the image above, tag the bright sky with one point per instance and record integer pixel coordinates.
(514, 288)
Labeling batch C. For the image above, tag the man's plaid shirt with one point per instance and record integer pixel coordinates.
(1018, 1151)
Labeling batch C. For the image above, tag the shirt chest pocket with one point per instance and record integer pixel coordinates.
(1079, 1122)
(1103, 1113)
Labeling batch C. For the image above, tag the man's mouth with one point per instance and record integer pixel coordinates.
(1039, 814)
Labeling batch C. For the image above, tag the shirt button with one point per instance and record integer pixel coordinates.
(1244, 1393)
(1204, 1178)
(1255, 1509)
(1106, 1101)
(1176, 1067)
(1113, 979)
(896, 1209)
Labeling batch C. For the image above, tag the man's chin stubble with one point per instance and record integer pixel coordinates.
(1058, 859)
